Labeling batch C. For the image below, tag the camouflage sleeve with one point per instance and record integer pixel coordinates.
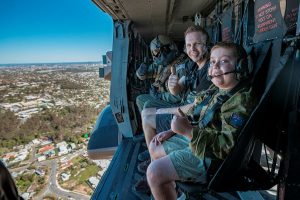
(152, 71)
(217, 139)
(198, 99)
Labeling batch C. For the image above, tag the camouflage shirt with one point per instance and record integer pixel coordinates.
(152, 70)
(155, 71)
(218, 137)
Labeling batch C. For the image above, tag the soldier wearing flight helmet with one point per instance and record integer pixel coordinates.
(165, 55)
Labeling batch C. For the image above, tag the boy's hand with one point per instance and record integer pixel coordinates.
(180, 124)
(142, 71)
(162, 136)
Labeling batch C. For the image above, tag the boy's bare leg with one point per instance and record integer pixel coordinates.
(161, 175)
(149, 124)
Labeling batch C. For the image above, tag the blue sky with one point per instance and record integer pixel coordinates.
(39, 31)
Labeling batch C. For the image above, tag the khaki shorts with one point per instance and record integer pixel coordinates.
(147, 101)
(187, 165)
(163, 122)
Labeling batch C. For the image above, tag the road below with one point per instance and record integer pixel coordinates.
(54, 189)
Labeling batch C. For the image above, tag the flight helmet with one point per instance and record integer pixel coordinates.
(163, 50)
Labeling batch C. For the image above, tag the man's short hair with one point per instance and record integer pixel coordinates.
(238, 51)
(197, 29)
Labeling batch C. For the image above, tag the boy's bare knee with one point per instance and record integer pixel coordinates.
(148, 111)
(152, 150)
(144, 119)
(148, 120)
(152, 175)
(144, 113)
(156, 174)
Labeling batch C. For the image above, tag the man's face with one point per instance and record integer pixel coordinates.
(195, 46)
(222, 61)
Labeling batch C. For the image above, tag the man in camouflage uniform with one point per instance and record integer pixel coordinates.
(210, 131)
(165, 56)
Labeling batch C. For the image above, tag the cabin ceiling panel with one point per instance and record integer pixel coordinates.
(152, 17)
(148, 13)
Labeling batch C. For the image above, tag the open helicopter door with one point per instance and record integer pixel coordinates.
(118, 95)
(105, 136)
(114, 121)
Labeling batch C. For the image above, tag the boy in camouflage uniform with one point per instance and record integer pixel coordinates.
(208, 132)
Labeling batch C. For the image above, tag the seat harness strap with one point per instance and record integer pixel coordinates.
(221, 99)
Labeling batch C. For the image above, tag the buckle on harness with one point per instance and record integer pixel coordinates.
(221, 99)
(193, 121)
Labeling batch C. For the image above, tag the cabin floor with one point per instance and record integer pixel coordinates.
(122, 174)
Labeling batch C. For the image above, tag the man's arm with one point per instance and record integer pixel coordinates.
(174, 111)
(144, 71)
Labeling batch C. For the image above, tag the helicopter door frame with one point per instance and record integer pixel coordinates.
(118, 88)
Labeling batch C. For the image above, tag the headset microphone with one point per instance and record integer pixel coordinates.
(211, 77)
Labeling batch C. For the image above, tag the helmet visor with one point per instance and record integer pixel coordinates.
(155, 52)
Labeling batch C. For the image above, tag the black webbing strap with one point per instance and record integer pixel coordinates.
(277, 62)
(242, 14)
(261, 56)
(272, 77)
(196, 114)
(210, 114)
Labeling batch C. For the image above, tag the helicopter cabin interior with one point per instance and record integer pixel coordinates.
(267, 150)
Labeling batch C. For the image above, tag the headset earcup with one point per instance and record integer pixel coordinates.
(242, 69)
(205, 52)
(238, 69)
(250, 65)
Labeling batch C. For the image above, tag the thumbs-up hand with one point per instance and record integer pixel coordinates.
(173, 80)
(173, 70)
(180, 124)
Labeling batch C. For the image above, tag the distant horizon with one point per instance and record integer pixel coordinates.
(41, 63)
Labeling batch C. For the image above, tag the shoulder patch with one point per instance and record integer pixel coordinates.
(237, 120)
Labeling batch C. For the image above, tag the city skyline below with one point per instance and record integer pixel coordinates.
(53, 32)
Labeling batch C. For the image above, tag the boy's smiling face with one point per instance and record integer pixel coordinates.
(222, 60)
